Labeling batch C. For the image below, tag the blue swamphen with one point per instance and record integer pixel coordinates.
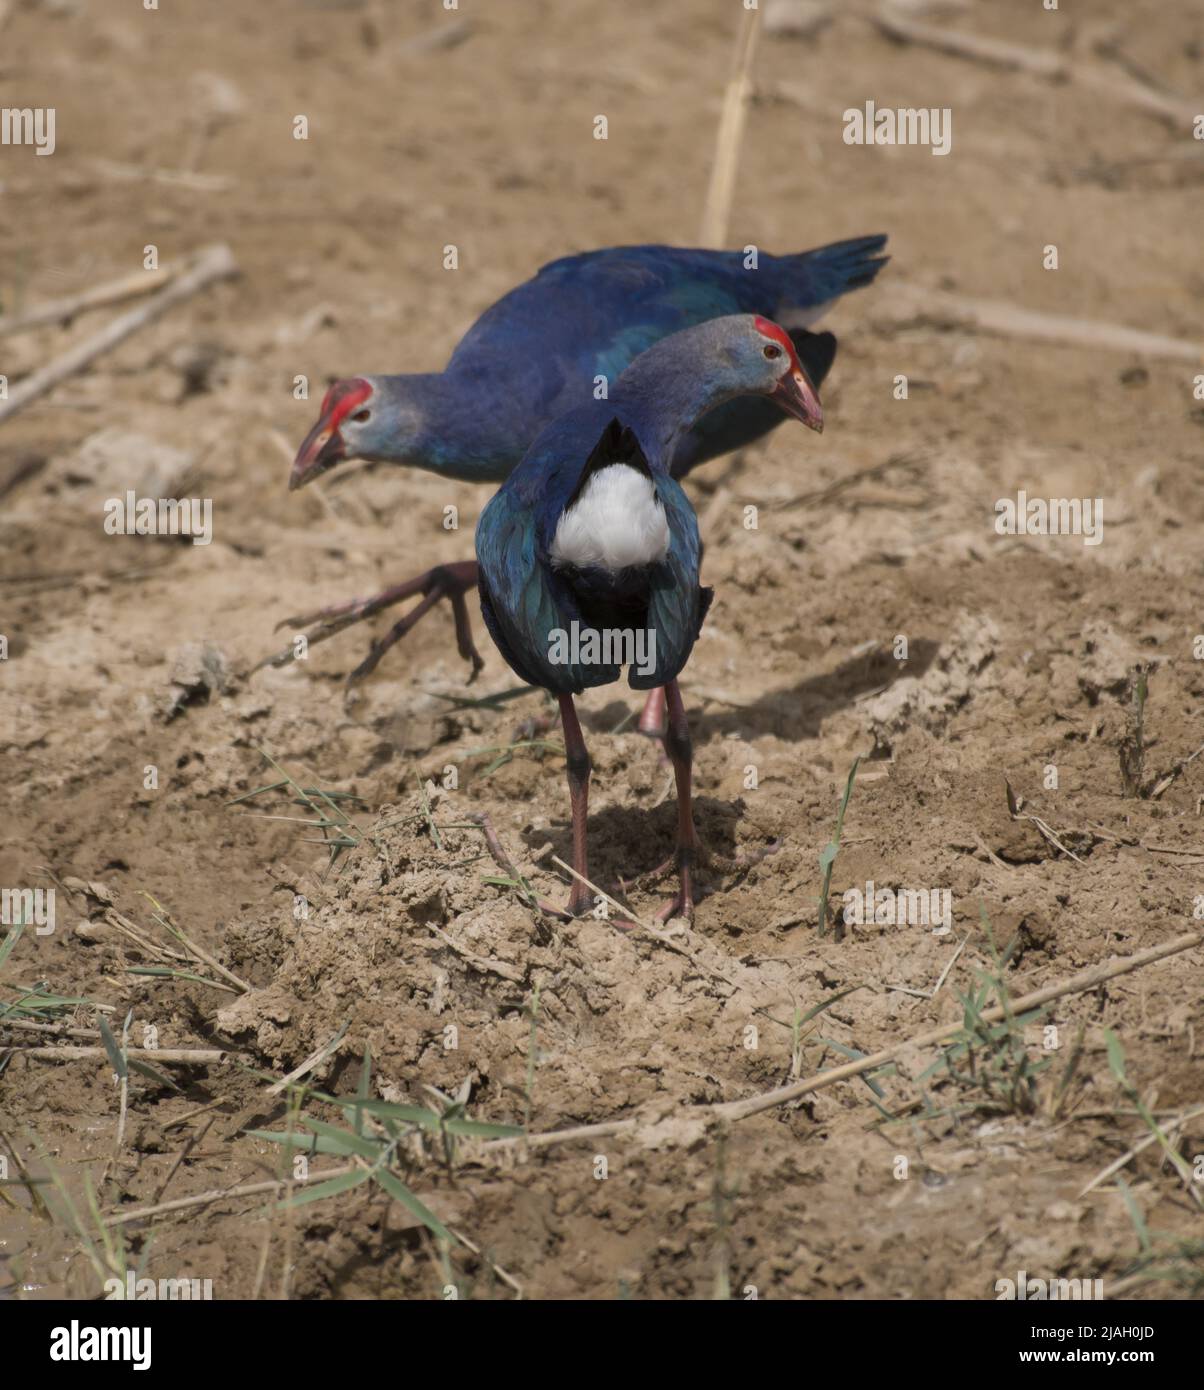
(589, 553)
(541, 350)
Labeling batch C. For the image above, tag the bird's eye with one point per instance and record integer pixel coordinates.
(362, 415)
(771, 351)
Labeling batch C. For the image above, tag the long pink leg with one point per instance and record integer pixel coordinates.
(579, 768)
(652, 717)
(677, 745)
(651, 721)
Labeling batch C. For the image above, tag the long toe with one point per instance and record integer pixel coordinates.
(680, 906)
(351, 608)
(449, 582)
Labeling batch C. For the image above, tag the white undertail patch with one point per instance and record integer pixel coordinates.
(803, 318)
(617, 523)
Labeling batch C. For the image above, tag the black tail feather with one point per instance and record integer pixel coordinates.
(617, 444)
(816, 351)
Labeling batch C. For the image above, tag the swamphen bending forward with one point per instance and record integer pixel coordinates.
(589, 554)
(539, 352)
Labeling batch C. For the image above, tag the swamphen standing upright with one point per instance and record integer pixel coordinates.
(539, 352)
(589, 554)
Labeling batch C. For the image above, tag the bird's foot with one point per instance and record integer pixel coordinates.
(498, 853)
(683, 904)
(684, 861)
(700, 855)
(601, 910)
(449, 582)
(680, 906)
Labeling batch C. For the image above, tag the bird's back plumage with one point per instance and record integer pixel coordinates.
(543, 348)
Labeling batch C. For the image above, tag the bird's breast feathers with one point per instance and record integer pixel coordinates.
(616, 523)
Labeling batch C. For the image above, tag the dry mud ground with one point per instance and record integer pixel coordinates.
(1021, 654)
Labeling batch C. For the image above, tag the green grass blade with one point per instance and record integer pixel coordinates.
(411, 1114)
(116, 1056)
(331, 1188)
(482, 1130)
(151, 1073)
(401, 1193)
(828, 858)
(364, 1090)
(306, 1143)
(352, 1143)
(6, 946)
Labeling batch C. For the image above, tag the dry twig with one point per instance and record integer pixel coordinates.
(769, 1100)
(62, 310)
(715, 214)
(216, 263)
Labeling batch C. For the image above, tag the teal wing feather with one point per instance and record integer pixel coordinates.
(524, 604)
(678, 603)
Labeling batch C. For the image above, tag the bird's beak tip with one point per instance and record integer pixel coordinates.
(303, 471)
(322, 449)
(796, 394)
